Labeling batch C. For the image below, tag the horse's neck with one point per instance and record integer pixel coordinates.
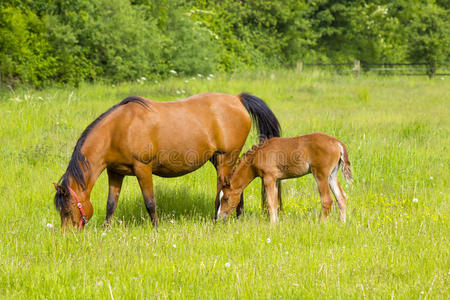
(95, 157)
(242, 176)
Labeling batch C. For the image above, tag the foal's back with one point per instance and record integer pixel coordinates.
(298, 156)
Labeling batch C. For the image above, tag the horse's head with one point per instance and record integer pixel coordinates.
(72, 206)
(229, 199)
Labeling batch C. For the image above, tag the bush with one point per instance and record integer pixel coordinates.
(104, 39)
(190, 49)
(24, 51)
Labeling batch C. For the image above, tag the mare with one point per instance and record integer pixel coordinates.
(142, 138)
(282, 158)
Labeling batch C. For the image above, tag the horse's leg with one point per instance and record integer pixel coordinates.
(213, 160)
(324, 191)
(143, 173)
(115, 184)
(272, 198)
(339, 194)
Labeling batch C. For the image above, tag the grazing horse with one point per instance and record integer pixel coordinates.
(282, 158)
(141, 137)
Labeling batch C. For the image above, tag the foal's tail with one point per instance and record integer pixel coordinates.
(266, 122)
(346, 171)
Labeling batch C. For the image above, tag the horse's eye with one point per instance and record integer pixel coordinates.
(225, 199)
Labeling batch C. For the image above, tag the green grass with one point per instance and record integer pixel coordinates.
(397, 133)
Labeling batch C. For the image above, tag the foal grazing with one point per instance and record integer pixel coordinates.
(282, 158)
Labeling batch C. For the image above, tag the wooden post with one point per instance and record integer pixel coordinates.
(356, 67)
(299, 66)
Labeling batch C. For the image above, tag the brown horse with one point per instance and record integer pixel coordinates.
(141, 137)
(281, 158)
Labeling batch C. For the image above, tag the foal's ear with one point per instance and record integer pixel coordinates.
(56, 186)
(226, 181)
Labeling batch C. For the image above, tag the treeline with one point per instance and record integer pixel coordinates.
(62, 41)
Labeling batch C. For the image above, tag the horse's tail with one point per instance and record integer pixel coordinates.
(266, 122)
(346, 171)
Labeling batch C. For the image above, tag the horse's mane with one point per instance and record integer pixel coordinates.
(248, 156)
(78, 162)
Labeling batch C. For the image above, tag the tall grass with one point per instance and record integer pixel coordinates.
(394, 244)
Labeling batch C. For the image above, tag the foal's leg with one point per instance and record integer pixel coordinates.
(280, 200)
(143, 173)
(339, 194)
(324, 191)
(263, 195)
(115, 184)
(272, 198)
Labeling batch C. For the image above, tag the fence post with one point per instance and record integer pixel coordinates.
(356, 67)
(299, 66)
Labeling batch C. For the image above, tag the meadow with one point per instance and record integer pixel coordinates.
(395, 243)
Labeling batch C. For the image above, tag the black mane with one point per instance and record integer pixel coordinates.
(79, 163)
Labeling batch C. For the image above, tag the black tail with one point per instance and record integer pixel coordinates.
(266, 122)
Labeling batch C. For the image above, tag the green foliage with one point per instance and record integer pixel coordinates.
(364, 30)
(60, 41)
(103, 39)
(429, 34)
(23, 48)
(190, 48)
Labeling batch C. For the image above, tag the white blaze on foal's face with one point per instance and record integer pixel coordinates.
(220, 202)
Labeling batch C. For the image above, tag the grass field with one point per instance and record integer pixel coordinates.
(395, 243)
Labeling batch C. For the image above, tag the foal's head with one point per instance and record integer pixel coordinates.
(229, 200)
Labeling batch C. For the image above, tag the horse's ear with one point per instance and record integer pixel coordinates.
(56, 186)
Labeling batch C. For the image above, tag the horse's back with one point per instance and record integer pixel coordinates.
(219, 120)
(190, 131)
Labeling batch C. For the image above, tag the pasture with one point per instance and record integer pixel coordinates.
(395, 243)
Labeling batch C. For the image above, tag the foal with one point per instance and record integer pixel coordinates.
(282, 158)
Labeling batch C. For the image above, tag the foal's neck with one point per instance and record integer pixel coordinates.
(242, 176)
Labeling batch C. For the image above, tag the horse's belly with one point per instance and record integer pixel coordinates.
(173, 167)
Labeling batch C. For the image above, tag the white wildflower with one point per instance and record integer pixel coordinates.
(173, 71)
(268, 240)
(227, 265)
(199, 75)
(415, 200)
(49, 225)
(174, 245)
